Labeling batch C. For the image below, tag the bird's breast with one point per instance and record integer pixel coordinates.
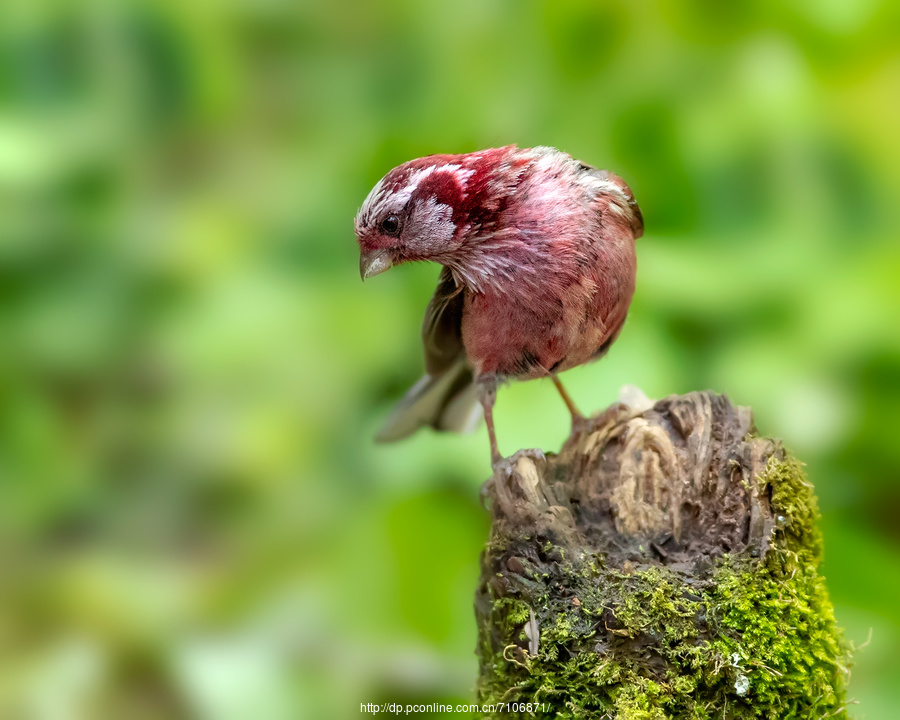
(531, 335)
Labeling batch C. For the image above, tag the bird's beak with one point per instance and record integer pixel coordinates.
(374, 262)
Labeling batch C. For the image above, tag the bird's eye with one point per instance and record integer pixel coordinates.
(391, 225)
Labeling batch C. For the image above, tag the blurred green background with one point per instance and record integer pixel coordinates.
(194, 520)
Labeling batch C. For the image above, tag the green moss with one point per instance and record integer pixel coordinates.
(747, 637)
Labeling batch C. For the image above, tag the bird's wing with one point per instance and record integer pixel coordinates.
(444, 398)
(441, 330)
(637, 218)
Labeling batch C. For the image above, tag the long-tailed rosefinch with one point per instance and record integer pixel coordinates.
(539, 267)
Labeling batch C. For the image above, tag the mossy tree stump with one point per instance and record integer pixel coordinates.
(665, 564)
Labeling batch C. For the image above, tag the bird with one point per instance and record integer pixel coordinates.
(538, 271)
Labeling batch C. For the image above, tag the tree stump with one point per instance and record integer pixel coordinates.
(665, 564)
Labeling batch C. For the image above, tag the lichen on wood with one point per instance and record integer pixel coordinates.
(665, 564)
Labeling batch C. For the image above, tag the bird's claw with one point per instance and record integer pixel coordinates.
(504, 466)
(486, 490)
(612, 414)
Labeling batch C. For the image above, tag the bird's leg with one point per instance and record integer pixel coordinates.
(580, 423)
(487, 394)
(578, 420)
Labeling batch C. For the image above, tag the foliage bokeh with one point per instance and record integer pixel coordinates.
(194, 521)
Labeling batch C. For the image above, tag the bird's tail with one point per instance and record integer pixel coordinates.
(448, 401)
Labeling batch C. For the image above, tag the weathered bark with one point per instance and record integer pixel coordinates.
(663, 565)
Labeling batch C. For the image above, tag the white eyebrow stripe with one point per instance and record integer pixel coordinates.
(379, 200)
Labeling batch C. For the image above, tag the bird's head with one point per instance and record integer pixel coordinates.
(420, 210)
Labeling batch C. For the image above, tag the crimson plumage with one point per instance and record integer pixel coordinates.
(539, 271)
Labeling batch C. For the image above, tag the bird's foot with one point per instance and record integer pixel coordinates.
(613, 414)
(504, 466)
(487, 489)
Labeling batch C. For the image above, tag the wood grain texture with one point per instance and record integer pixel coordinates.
(662, 564)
